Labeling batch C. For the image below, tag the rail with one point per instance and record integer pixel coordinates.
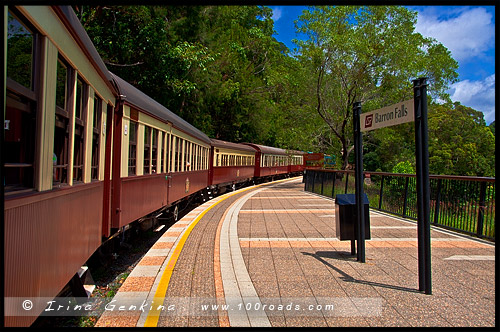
(461, 203)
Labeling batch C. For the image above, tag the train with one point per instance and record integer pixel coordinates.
(86, 155)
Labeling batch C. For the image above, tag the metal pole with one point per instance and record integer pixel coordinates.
(426, 185)
(482, 207)
(405, 204)
(358, 147)
(418, 157)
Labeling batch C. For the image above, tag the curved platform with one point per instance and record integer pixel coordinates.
(267, 256)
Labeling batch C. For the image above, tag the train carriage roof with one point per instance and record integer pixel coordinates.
(272, 150)
(230, 145)
(267, 149)
(137, 98)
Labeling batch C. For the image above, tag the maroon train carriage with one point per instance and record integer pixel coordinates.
(295, 162)
(270, 162)
(158, 158)
(231, 164)
(58, 97)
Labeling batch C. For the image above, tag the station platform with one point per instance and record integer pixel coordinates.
(267, 256)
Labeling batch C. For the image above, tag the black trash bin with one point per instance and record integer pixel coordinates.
(346, 217)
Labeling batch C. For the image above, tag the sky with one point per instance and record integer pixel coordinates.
(467, 31)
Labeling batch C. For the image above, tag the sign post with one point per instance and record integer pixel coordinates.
(358, 148)
(413, 110)
(423, 186)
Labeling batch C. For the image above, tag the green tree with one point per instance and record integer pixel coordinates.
(460, 143)
(138, 44)
(368, 54)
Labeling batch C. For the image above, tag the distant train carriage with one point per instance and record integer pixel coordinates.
(163, 158)
(232, 163)
(295, 162)
(269, 161)
(59, 96)
(319, 160)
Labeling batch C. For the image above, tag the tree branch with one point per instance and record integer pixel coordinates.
(123, 65)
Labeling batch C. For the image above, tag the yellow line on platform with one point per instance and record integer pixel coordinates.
(161, 291)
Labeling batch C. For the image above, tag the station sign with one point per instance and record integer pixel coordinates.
(388, 116)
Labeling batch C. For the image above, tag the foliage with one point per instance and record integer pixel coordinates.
(460, 143)
(221, 69)
(404, 167)
(368, 54)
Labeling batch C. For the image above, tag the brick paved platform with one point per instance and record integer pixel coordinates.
(268, 256)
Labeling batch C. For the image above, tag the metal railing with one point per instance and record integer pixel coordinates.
(461, 203)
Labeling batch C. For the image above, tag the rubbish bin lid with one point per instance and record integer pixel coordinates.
(349, 199)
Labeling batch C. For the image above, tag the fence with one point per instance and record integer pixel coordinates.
(460, 203)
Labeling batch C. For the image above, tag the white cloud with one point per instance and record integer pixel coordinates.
(466, 32)
(480, 95)
(277, 11)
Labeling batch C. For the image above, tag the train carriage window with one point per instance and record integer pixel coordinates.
(78, 151)
(147, 151)
(96, 129)
(175, 148)
(187, 157)
(194, 156)
(174, 153)
(20, 105)
(198, 157)
(132, 148)
(154, 150)
(161, 164)
(205, 158)
(61, 130)
(168, 155)
(20, 52)
(182, 154)
(190, 157)
(179, 154)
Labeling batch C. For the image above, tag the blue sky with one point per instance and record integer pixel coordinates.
(467, 31)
